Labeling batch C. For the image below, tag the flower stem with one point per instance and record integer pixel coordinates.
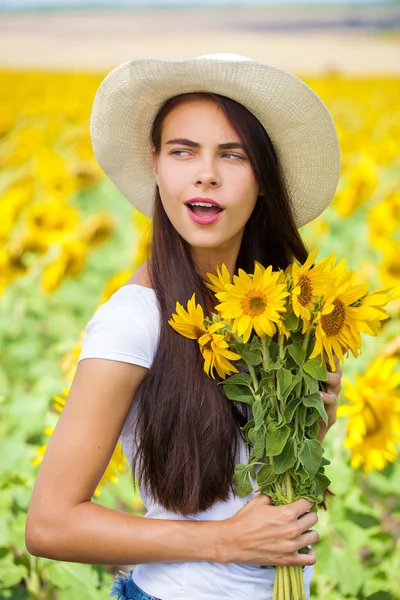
(253, 378)
(302, 591)
(289, 490)
(286, 580)
(276, 585)
(305, 343)
(265, 352)
(281, 350)
(289, 582)
(294, 580)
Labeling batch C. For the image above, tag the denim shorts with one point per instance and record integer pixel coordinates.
(126, 589)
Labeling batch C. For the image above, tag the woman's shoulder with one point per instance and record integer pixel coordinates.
(125, 327)
(137, 297)
(136, 291)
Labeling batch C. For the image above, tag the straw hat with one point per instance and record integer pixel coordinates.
(297, 121)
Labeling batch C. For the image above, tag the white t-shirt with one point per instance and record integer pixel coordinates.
(126, 328)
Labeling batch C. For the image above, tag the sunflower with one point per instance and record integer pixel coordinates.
(216, 353)
(373, 427)
(219, 281)
(213, 346)
(374, 301)
(308, 282)
(253, 301)
(347, 310)
(190, 322)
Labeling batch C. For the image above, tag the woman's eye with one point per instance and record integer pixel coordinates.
(180, 152)
(230, 155)
(235, 156)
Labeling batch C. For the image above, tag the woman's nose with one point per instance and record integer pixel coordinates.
(208, 176)
(207, 181)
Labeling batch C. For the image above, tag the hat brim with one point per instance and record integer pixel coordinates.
(297, 121)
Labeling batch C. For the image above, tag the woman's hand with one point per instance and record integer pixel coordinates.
(330, 398)
(262, 534)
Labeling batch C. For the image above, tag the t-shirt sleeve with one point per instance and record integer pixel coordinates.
(119, 333)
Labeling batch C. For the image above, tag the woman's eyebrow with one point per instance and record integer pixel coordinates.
(191, 144)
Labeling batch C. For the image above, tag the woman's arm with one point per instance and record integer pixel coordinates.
(63, 523)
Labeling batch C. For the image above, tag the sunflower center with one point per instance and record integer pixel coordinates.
(333, 322)
(305, 290)
(254, 305)
(372, 422)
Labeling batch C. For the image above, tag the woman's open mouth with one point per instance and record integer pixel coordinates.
(204, 213)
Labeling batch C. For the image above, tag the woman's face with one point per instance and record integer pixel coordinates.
(201, 157)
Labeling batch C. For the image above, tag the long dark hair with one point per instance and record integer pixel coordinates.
(187, 431)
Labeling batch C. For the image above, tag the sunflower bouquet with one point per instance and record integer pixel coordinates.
(282, 328)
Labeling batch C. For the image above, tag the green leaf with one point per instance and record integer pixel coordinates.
(295, 380)
(252, 435)
(291, 408)
(315, 401)
(258, 450)
(286, 459)
(248, 426)
(310, 456)
(362, 520)
(73, 576)
(325, 461)
(302, 476)
(322, 483)
(264, 385)
(311, 418)
(258, 413)
(242, 482)
(233, 392)
(284, 379)
(291, 322)
(271, 365)
(301, 419)
(380, 595)
(239, 379)
(297, 352)
(297, 336)
(266, 475)
(311, 383)
(317, 370)
(274, 351)
(276, 439)
(10, 573)
(253, 357)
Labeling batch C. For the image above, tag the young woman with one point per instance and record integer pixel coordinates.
(229, 156)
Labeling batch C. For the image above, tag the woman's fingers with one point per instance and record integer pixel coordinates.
(300, 507)
(334, 380)
(305, 559)
(305, 522)
(328, 398)
(333, 385)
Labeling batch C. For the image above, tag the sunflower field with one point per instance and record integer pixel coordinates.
(69, 240)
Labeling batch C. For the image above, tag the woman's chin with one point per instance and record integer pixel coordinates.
(205, 242)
